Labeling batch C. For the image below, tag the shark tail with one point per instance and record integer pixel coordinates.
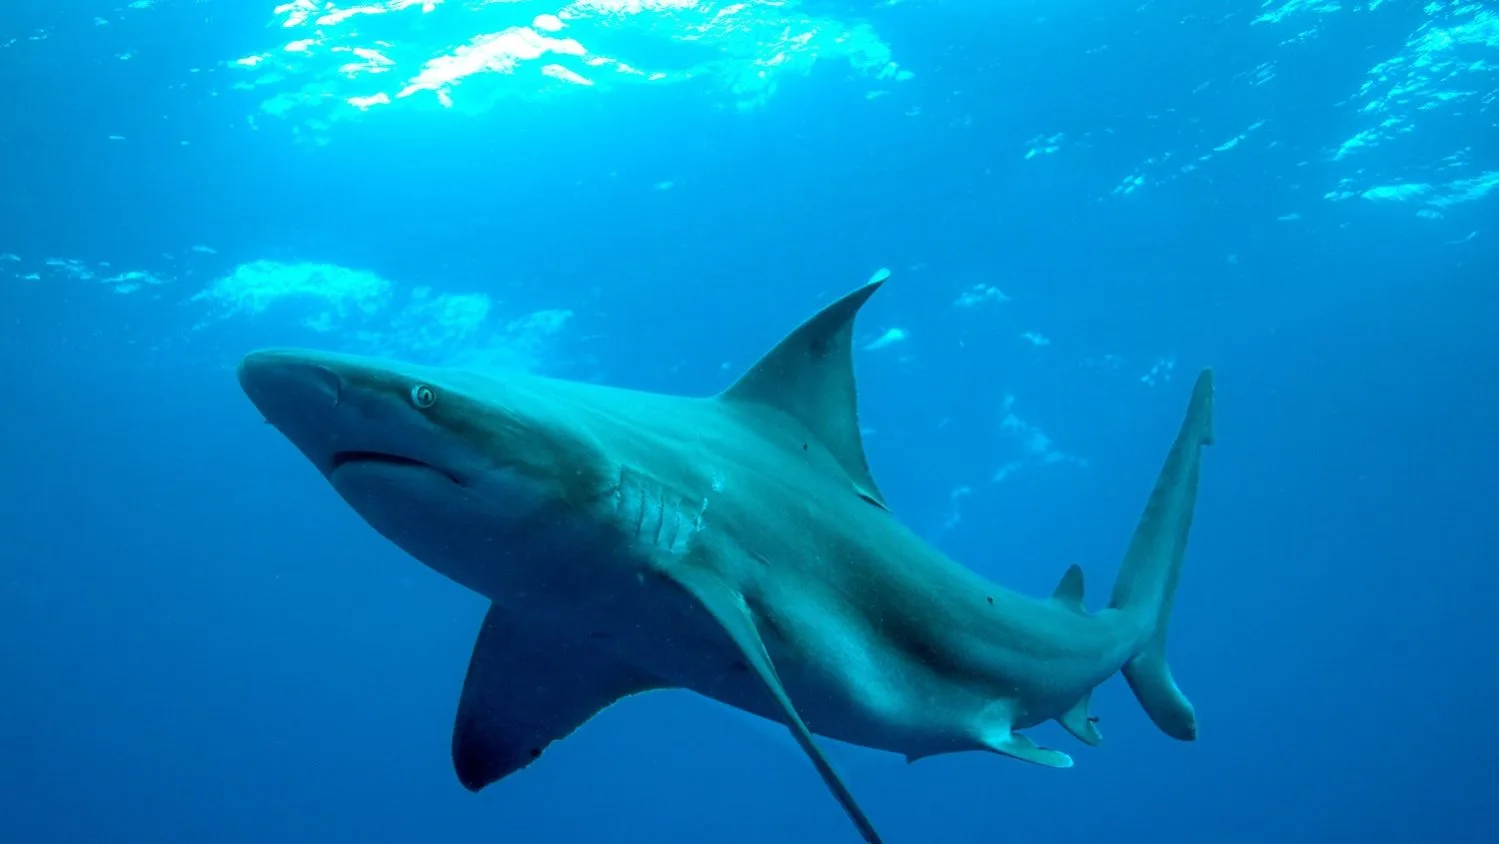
(1147, 579)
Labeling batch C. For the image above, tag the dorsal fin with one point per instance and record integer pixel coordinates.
(1069, 593)
(809, 376)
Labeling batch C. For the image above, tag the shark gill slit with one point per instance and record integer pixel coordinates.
(637, 505)
(638, 502)
(660, 516)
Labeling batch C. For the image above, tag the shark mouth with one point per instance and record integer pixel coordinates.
(347, 458)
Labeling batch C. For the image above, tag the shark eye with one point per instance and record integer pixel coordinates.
(423, 396)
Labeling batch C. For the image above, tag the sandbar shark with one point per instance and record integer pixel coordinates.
(735, 545)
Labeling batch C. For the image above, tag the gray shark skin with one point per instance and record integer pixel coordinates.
(733, 545)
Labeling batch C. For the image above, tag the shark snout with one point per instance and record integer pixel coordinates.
(281, 383)
(300, 396)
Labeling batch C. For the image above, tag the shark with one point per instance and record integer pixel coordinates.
(734, 545)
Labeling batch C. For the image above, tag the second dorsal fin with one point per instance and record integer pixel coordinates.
(1069, 592)
(809, 376)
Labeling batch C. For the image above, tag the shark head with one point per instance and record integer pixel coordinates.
(453, 467)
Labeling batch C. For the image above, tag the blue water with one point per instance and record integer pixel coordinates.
(1081, 205)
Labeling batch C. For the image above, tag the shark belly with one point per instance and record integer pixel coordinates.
(914, 687)
(604, 577)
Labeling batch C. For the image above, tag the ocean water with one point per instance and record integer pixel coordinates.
(1080, 204)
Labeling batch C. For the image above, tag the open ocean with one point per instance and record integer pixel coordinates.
(1080, 205)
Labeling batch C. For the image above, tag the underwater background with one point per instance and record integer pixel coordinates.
(1081, 204)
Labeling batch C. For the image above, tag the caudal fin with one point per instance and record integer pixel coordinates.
(1148, 577)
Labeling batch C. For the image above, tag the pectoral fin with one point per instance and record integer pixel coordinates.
(525, 689)
(729, 610)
